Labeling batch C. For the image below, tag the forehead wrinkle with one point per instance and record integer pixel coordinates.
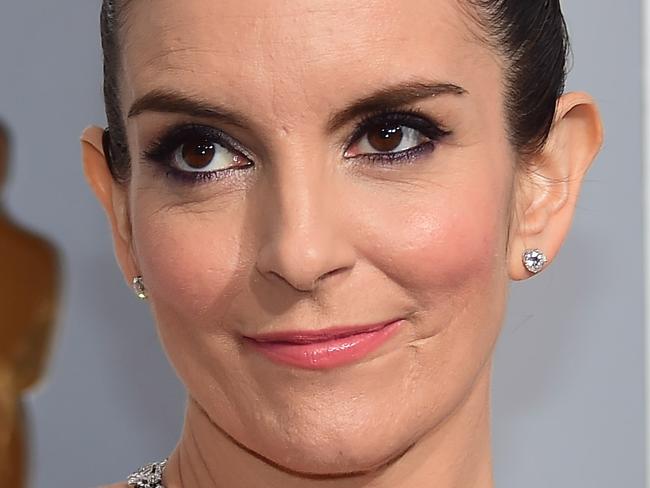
(297, 38)
(171, 57)
(171, 31)
(266, 69)
(297, 79)
(152, 70)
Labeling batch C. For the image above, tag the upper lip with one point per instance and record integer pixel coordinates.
(320, 335)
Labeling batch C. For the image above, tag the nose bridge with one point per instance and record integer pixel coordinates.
(304, 239)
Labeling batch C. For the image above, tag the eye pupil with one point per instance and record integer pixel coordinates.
(198, 154)
(385, 137)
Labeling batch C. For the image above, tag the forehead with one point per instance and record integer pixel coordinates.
(279, 52)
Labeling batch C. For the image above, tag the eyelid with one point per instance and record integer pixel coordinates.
(419, 120)
(161, 150)
(164, 146)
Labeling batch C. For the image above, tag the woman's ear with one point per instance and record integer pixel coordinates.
(547, 190)
(111, 195)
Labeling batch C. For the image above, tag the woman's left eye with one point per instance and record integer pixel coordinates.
(394, 136)
(387, 138)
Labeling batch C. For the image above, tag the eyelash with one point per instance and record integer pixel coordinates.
(161, 151)
(411, 118)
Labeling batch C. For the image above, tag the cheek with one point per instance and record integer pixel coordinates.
(188, 260)
(442, 239)
(446, 247)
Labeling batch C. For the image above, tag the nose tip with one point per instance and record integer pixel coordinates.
(302, 226)
(304, 265)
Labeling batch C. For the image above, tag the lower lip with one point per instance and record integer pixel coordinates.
(328, 353)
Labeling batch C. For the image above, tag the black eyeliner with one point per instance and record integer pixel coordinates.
(164, 147)
(400, 156)
(198, 176)
(411, 118)
(161, 151)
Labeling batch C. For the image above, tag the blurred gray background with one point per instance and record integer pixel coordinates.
(568, 403)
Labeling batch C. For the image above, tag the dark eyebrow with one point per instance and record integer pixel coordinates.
(164, 101)
(392, 97)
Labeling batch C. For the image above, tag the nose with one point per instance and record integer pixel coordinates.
(305, 240)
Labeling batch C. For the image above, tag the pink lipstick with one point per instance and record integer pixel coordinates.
(326, 348)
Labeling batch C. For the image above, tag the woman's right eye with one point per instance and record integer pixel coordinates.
(198, 151)
(201, 155)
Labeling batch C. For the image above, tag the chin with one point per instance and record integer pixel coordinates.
(340, 453)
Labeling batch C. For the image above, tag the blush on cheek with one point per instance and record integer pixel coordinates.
(445, 245)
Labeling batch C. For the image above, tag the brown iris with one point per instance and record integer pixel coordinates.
(385, 138)
(198, 153)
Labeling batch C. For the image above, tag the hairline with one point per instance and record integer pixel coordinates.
(476, 20)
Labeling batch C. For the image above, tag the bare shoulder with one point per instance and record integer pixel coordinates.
(116, 485)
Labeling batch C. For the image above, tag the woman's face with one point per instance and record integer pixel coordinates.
(365, 177)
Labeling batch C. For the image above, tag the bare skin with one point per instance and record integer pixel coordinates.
(28, 296)
(315, 232)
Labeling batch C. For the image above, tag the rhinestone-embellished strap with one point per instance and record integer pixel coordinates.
(149, 476)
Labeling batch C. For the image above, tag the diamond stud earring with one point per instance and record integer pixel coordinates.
(139, 288)
(534, 260)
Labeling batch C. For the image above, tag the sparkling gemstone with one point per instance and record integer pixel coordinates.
(534, 260)
(139, 288)
(149, 476)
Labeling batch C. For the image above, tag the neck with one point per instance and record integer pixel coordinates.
(455, 454)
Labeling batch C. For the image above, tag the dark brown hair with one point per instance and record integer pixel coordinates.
(530, 35)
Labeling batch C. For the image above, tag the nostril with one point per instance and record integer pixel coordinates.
(303, 279)
(302, 286)
(304, 253)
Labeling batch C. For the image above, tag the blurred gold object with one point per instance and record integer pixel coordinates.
(28, 295)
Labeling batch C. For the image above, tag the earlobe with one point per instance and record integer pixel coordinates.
(547, 191)
(111, 196)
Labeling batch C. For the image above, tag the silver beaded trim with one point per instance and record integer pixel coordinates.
(148, 476)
